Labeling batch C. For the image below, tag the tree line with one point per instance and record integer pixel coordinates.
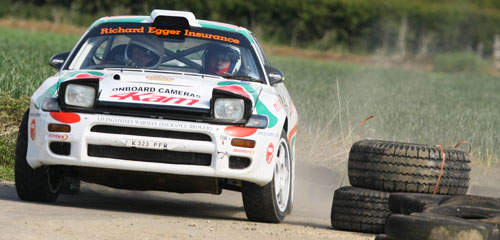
(412, 27)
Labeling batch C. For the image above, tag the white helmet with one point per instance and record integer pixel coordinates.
(149, 47)
(223, 50)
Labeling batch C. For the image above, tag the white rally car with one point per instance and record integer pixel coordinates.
(163, 102)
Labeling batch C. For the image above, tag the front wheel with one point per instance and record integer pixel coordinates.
(41, 184)
(273, 201)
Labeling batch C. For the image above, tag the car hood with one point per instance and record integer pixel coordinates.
(162, 89)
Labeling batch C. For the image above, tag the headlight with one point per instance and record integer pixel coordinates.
(229, 108)
(80, 95)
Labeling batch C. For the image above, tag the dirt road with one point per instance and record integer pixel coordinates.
(105, 213)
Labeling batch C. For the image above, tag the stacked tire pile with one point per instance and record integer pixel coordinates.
(378, 169)
(424, 216)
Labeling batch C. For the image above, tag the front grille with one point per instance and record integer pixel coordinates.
(60, 148)
(148, 155)
(151, 133)
(238, 162)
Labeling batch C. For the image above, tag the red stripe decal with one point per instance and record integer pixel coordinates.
(239, 131)
(292, 132)
(65, 117)
(86, 75)
(235, 89)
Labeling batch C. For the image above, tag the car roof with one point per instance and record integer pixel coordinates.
(193, 22)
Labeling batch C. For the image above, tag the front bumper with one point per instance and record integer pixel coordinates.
(150, 145)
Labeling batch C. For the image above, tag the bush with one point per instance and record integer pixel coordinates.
(354, 25)
(11, 113)
(460, 62)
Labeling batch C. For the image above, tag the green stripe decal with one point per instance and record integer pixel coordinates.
(135, 19)
(259, 106)
(262, 109)
(212, 25)
(48, 93)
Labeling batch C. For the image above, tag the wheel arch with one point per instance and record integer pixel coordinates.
(285, 125)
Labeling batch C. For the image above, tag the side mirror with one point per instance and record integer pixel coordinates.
(58, 60)
(274, 75)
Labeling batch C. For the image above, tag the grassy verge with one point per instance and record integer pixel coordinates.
(11, 113)
(407, 105)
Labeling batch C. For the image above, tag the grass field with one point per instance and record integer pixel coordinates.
(332, 99)
(407, 105)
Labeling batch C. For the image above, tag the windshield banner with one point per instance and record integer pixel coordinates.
(167, 33)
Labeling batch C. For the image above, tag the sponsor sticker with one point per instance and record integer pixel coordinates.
(160, 78)
(33, 129)
(62, 137)
(150, 97)
(153, 123)
(269, 153)
(223, 138)
(267, 134)
(277, 105)
(245, 151)
(151, 90)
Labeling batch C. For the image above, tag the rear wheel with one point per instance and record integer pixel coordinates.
(41, 184)
(273, 201)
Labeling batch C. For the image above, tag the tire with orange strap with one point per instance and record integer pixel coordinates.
(407, 167)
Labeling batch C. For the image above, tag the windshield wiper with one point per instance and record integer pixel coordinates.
(241, 77)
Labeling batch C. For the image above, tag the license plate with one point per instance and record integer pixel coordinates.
(146, 144)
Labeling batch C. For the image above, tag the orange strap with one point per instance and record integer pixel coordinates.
(463, 142)
(363, 122)
(442, 168)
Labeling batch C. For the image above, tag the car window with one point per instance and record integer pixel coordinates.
(103, 47)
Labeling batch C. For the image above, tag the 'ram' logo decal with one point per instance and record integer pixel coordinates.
(150, 97)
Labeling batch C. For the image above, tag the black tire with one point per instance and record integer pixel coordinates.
(41, 184)
(359, 210)
(407, 167)
(406, 203)
(473, 200)
(71, 185)
(262, 203)
(382, 237)
(419, 226)
(470, 207)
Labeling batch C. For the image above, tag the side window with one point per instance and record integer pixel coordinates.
(260, 52)
(99, 53)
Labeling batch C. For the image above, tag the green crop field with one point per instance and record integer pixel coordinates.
(407, 105)
(332, 98)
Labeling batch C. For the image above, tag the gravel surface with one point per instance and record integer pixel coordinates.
(105, 213)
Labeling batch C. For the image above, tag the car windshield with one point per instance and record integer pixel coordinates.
(142, 46)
